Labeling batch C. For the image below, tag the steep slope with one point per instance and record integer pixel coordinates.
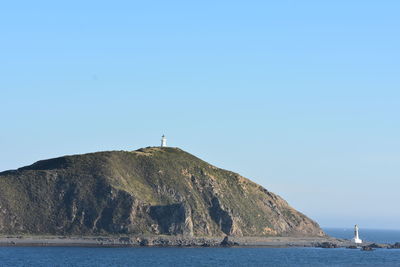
(148, 191)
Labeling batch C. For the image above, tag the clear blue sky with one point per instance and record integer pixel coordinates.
(302, 97)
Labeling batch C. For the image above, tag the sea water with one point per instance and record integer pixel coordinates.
(144, 256)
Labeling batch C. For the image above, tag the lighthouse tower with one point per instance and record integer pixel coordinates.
(163, 141)
(356, 238)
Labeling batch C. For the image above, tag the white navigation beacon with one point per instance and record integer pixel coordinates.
(356, 238)
(163, 141)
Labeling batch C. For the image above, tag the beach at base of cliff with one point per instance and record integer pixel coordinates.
(178, 241)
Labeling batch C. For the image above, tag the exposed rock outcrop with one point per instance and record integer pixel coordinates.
(327, 245)
(395, 245)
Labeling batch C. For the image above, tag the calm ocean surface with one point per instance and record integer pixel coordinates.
(60, 256)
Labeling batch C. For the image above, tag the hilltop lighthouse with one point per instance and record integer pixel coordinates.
(356, 238)
(163, 141)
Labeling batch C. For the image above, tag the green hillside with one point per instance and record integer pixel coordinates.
(150, 191)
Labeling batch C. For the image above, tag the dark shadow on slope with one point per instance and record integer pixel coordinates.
(220, 216)
(170, 218)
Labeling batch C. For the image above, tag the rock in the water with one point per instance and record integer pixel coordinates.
(151, 191)
(367, 248)
(375, 245)
(395, 245)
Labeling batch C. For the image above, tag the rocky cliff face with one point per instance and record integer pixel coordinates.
(150, 191)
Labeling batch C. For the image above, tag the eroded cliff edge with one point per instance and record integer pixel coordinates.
(150, 191)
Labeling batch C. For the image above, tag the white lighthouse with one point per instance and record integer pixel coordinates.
(163, 141)
(356, 238)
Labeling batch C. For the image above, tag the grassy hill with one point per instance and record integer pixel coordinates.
(149, 191)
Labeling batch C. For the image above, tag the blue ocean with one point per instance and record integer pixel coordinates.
(76, 256)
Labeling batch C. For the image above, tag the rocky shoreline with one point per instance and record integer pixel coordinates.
(181, 241)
